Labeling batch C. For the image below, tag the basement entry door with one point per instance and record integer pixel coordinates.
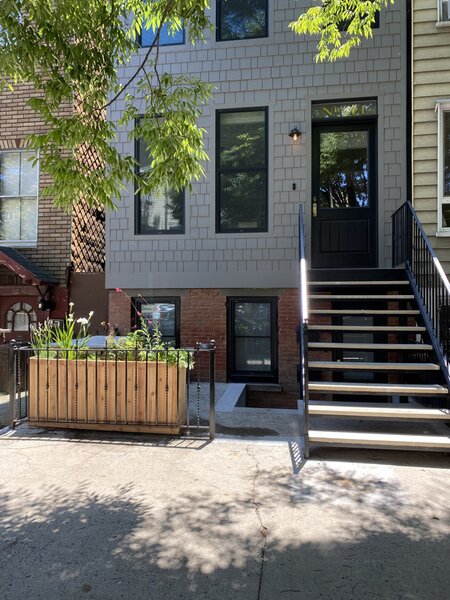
(344, 202)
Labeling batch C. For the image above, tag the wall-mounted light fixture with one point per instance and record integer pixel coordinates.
(295, 133)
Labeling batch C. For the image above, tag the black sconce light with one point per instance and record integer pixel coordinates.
(295, 133)
(45, 305)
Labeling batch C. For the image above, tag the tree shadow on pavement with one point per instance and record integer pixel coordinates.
(329, 534)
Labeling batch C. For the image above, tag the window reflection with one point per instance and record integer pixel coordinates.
(344, 169)
(242, 171)
(240, 20)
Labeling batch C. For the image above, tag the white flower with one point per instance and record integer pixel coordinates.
(70, 318)
(71, 304)
(91, 313)
(82, 321)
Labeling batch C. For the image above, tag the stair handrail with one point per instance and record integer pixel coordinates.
(303, 329)
(430, 285)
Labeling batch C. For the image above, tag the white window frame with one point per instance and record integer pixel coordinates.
(442, 106)
(440, 21)
(24, 243)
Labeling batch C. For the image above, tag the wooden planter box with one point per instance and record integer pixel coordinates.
(107, 395)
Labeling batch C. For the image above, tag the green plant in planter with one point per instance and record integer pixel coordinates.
(146, 345)
(66, 337)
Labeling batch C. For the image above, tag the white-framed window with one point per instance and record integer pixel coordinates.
(20, 317)
(19, 186)
(443, 208)
(443, 10)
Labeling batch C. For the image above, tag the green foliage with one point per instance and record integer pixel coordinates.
(66, 336)
(147, 346)
(69, 52)
(340, 25)
(140, 345)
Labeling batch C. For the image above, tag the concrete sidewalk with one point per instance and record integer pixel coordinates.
(106, 517)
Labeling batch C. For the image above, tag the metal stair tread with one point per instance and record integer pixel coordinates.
(370, 410)
(372, 366)
(358, 346)
(362, 311)
(375, 328)
(349, 438)
(361, 297)
(368, 283)
(397, 389)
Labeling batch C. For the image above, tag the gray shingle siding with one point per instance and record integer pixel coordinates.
(278, 72)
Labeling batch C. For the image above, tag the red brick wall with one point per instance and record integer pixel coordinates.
(9, 295)
(288, 352)
(119, 311)
(204, 318)
(17, 121)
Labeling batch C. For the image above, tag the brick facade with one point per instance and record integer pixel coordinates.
(203, 317)
(17, 121)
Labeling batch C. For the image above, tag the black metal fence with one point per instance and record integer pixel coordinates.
(411, 247)
(114, 389)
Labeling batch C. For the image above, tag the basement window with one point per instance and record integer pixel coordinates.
(163, 313)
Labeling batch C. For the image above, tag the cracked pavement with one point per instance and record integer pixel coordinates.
(106, 517)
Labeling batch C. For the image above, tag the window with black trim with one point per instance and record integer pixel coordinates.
(241, 183)
(167, 36)
(238, 20)
(252, 339)
(161, 212)
(161, 312)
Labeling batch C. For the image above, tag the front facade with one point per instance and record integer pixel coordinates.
(431, 121)
(222, 262)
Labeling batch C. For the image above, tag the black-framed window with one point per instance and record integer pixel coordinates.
(240, 20)
(167, 37)
(241, 180)
(161, 311)
(252, 339)
(157, 213)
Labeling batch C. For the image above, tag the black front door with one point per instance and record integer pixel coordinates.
(344, 202)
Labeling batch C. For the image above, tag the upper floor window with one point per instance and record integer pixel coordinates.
(238, 20)
(167, 36)
(161, 212)
(241, 185)
(18, 197)
(444, 167)
(443, 8)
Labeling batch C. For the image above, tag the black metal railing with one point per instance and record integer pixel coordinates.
(116, 389)
(411, 247)
(303, 331)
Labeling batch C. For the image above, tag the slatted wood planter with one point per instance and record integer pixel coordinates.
(107, 395)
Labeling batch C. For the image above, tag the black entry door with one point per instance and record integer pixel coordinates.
(344, 203)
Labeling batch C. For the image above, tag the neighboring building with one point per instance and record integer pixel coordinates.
(43, 250)
(431, 121)
(222, 262)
